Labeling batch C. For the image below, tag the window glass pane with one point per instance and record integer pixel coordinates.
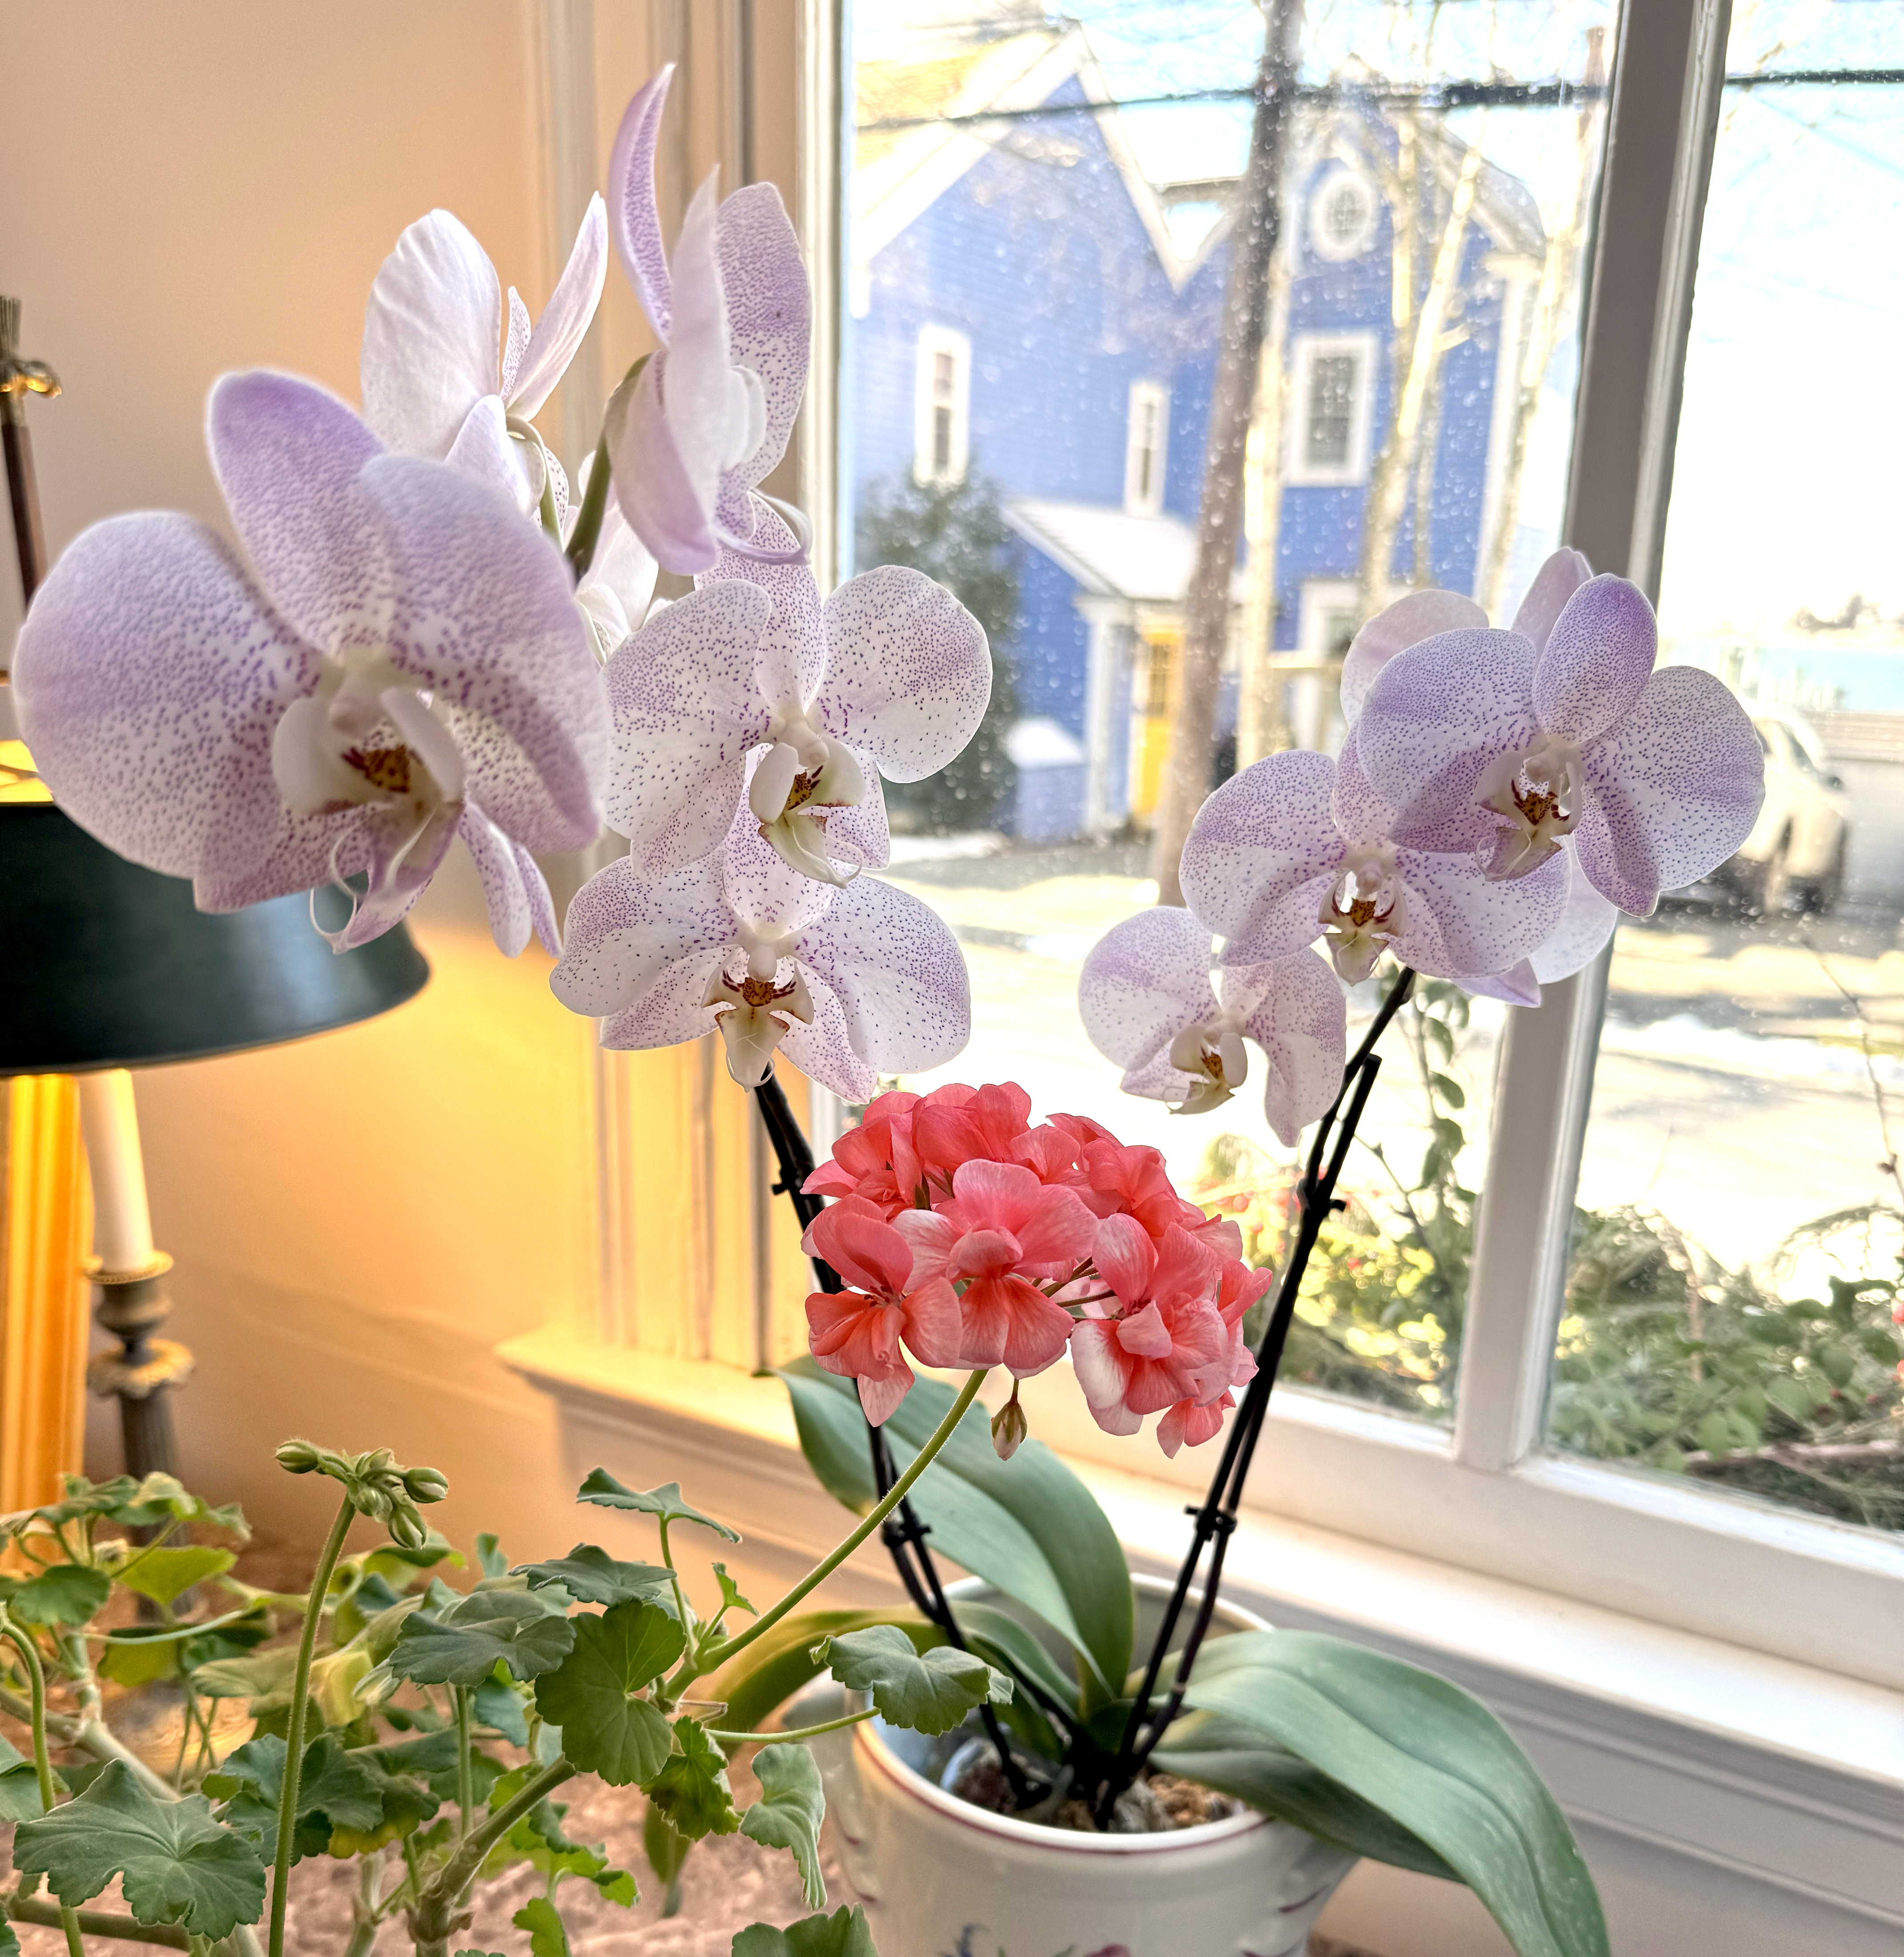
(1735, 1258)
(1049, 199)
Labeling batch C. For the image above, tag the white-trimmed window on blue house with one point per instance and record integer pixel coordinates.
(1146, 446)
(1332, 393)
(1342, 216)
(942, 405)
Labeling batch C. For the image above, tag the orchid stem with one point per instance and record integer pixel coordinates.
(22, 1641)
(732, 1647)
(287, 1800)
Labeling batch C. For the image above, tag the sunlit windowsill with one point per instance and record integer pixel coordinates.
(1575, 1669)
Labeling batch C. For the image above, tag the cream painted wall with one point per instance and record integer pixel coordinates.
(188, 186)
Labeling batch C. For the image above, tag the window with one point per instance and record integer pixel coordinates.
(1146, 440)
(1342, 217)
(1329, 439)
(942, 405)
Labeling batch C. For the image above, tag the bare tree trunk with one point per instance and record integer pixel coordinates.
(1253, 241)
(1260, 727)
(1388, 481)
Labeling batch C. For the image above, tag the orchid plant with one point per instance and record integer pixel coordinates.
(427, 636)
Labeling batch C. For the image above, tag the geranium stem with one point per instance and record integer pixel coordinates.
(22, 1641)
(295, 1722)
(732, 1647)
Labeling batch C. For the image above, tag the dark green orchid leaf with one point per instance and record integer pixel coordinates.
(1028, 1525)
(691, 1789)
(548, 1934)
(20, 1785)
(165, 1574)
(605, 1730)
(591, 1576)
(1428, 1754)
(844, 1933)
(68, 1593)
(788, 1815)
(176, 1862)
(730, 1599)
(782, 1660)
(464, 1645)
(930, 1691)
(1000, 1638)
(664, 1502)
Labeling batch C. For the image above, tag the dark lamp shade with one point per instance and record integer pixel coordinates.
(105, 964)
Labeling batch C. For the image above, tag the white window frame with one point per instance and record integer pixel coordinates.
(1337, 251)
(938, 343)
(1143, 499)
(1305, 350)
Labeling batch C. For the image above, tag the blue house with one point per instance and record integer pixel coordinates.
(1025, 303)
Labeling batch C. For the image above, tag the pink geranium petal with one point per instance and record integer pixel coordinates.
(1125, 1257)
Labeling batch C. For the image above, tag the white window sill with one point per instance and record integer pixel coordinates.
(1783, 1772)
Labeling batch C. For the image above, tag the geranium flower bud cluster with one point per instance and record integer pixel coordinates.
(969, 1236)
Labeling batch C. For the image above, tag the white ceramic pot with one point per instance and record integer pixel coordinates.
(940, 1878)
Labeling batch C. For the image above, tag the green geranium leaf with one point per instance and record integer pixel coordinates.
(664, 1502)
(788, 1814)
(778, 1664)
(403, 1807)
(591, 1576)
(499, 1707)
(730, 1599)
(490, 1559)
(19, 1786)
(547, 1937)
(844, 1933)
(1429, 1756)
(605, 1730)
(1027, 1525)
(336, 1790)
(69, 1593)
(691, 1789)
(140, 1654)
(176, 1863)
(158, 1498)
(930, 1691)
(464, 1645)
(540, 1839)
(667, 1855)
(164, 1574)
(9, 1943)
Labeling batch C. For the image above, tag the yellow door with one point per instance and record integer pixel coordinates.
(1153, 706)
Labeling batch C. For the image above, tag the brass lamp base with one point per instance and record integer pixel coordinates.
(132, 1305)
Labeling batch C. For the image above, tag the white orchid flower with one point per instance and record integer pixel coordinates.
(439, 377)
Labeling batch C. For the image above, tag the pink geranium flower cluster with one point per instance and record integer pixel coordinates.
(969, 1236)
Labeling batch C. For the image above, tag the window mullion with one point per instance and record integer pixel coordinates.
(1664, 120)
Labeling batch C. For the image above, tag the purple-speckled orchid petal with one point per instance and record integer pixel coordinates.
(304, 851)
(1302, 1024)
(770, 312)
(793, 659)
(1260, 855)
(541, 905)
(504, 893)
(289, 457)
(822, 1050)
(671, 1012)
(149, 676)
(695, 388)
(1436, 716)
(1157, 1080)
(484, 450)
(859, 833)
(515, 343)
(685, 713)
(623, 932)
(636, 218)
(909, 672)
(1599, 655)
(565, 319)
(1586, 922)
(1517, 986)
(1554, 583)
(399, 863)
(1675, 789)
(623, 566)
(1460, 926)
(895, 970)
(653, 482)
(1143, 981)
(1407, 622)
(764, 890)
(1358, 812)
(432, 335)
(487, 623)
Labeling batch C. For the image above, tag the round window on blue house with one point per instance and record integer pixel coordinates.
(1342, 216)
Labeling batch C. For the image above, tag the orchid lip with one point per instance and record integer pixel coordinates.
(1213, 1054)
(752, 1014)
(1364, 911)
(1535, 794)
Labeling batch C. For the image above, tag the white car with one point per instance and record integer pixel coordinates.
(1794, 860)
